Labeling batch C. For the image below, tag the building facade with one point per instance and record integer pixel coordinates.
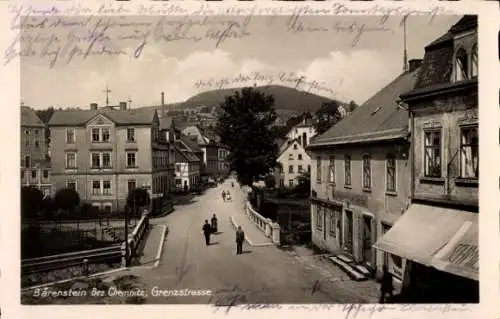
(187, 169)
(210, 150)
(442, 266)
(294, 161)
(35, 161)
(302, 132)
(104, 153)
(360, 178)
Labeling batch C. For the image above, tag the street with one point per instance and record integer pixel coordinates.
(260, 275)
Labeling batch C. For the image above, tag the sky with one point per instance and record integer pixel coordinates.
(347, 58)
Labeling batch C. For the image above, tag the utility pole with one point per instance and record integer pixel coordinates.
(107, 91)
(405, 53)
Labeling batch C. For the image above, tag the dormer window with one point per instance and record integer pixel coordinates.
(461, 65)
(474, 63)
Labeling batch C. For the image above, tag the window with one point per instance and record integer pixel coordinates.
(300, 169)
(36, 132)
(469, 152)
(300, 157)
(432, 155)
(106, 160)
(71, 160)
(96, 187)
(27, 132)
(71, 185)
(45, 174)
(290, 182)
(27, 161)
(294, 146)
(33, 174)
(131, 160)
(309, 169)
(474, 61)
(177, 167)
(131, 184)
(290, 169)
(304, 139)
(106, 208)
(95, 135)
(347, 170)
(319, 218)
(105, 134)
(318, 169)
(106, 186)
(37, 144)
(131, 135)
(331, 169)
(96, 160)
(367, 174)
(391, 173)
(331, 224)
(282, 182)
(461, 65)
(70, 136)
(290, 157)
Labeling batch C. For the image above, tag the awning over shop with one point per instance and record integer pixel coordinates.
(446, 239)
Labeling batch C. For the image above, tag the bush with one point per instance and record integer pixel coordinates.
(139, 197)
(270, 181)
(67, 199)
(31, 201)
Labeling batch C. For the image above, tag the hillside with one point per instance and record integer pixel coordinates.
(286, 98)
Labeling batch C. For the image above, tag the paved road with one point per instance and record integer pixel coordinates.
(260, 275)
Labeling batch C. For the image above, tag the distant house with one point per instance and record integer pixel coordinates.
(303, 132)
(35, 162)
(360, 178)
(103, 153)
(294, 162)
(187, 168)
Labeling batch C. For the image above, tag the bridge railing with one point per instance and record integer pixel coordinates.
(266, 225)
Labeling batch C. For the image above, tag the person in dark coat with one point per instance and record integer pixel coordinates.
(206, 231)
(240, 237)
(214, 223)
(223, 195)
(386, 286)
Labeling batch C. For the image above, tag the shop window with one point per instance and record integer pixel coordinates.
(432, 156)
(469, 152)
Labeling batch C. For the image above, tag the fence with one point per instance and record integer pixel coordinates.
(266, 225)
(134, 239)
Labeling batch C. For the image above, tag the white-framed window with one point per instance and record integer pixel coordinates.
(131, 159)
(299, 157)
(96, 187)
(107, 207)
(290, 157)
(390, 172)
(331, 170)
(106, 159)
(469, 152)
(318, 170)
(290, 182)
(300, 168)
(106, 187)
(295, 146)
(100, 159)
(367, 172)
(37, 144)
(347, 170)
(101, 134)
(131, 184)
(27, 131)
(432, 153)
(96, 159)
(70, 136)
(131, 134)
(71, 185)
(474, 62)
(45, 173)
(178, 168)
(290, 168)
(71, 160)
(461, 65)
(33, 174)
(27, 161)
(319, 217)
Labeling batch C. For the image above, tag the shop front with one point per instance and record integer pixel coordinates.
(440, 246)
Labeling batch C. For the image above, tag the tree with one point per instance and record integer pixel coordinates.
(31, 201)
(352, 106)
(270, 181)
(138, 197)
(327, 116)
(67, 199)
(245, 125)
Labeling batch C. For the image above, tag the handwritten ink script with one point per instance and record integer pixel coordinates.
(59, 35)
(291, 79)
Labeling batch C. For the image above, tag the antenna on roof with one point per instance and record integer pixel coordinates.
(107, 91)
(405, 53)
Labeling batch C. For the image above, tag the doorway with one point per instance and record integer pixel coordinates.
(367, 240)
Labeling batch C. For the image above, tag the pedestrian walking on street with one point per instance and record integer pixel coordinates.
(240, 237)
(386, 286)
(206, 232)
(214, 223)
(223, 195)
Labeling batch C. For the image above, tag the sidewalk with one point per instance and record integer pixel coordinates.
(153, 245)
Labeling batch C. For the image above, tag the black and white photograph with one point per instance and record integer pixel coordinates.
(239, 160)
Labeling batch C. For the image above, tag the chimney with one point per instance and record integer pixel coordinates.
(414, 64)
(123, 106)
(93, 106)
(162, 99)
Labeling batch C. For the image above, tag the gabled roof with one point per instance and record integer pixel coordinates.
(191, 144)
(198, 132)
(292, 142)
(184, 156)
(29, 117)
(377, 119)
(119, 117)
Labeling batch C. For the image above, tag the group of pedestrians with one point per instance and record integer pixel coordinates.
(226, 196)
(210, 228)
